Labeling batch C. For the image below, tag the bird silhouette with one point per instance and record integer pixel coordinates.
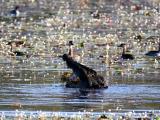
(155, 53)
(124, 54)
(88, 78)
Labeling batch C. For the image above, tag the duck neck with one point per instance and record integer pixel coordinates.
(124, 50)
(71, 50)
(11, 49)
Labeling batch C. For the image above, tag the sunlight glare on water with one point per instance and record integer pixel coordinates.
(33, 82)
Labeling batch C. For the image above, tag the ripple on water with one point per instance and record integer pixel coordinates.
(57, 95)
(34, 83)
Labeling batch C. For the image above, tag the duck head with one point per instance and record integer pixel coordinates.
(70, 43)
(123, 45)
(16, 7)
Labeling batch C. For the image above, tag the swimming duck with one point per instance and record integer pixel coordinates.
(88, 78)
(154, 53)
(96, 14)
(138, 37)
(71, 52)
(16, 44)
(15, 12)
(124, 54)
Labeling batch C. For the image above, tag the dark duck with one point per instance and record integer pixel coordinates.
(15, 12)
(16, 44)
(96, 14)
(154, 53)
(125, 55)
(88, 78)
(71, 52)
